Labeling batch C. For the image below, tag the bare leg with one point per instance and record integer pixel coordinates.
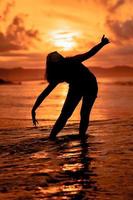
(85, 114)
(72, 100)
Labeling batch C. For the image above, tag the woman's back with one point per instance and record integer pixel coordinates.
(69, 69)
(76, 71)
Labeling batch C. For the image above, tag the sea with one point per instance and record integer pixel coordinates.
(97, 167)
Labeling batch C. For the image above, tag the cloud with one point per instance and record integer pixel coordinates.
(22, 59)
(6, 44)
(111, 6)
(9, 5)
(68, 16)
(23, 54)
(125, 50)
(118, 3)
(17, 36)
(122, 30)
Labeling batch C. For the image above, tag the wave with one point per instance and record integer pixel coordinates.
(125, 83)
(71, 124)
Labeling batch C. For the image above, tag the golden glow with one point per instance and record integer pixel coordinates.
(65, 44)
(72, 167)
(73, 189)
(70, 26)
(64, 40)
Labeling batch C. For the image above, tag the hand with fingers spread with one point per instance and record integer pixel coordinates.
(105, 40)
(34, 120)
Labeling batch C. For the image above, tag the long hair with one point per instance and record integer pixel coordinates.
(54, 67)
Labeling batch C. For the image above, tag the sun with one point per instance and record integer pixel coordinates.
(65, 44)
(63, 40)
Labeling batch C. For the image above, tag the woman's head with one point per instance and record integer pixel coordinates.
(55, 57)
(53, 66)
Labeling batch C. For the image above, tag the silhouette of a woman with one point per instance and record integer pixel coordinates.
(82, 84)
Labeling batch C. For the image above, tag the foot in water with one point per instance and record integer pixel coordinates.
(80, 136)
(52, 137)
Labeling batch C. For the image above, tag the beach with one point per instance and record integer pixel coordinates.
(97, 167)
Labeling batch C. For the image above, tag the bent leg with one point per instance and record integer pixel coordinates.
(72, 100)
(85, 113)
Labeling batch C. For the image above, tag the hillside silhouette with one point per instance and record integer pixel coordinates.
(23, 74)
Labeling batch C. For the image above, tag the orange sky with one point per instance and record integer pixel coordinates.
(31, 29)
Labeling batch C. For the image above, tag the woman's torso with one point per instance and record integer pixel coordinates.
(76, 72)
(79, 76)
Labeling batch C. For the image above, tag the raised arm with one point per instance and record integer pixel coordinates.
(40, 98)
(93, 51)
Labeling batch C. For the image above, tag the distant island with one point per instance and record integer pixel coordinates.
(7, 82)
(3, 82)
(23, 74)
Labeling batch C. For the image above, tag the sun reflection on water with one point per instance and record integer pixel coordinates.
(72, 189)
(69, 173)
(73, 167)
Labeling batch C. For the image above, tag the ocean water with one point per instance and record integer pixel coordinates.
(98, 167)
(115, 100)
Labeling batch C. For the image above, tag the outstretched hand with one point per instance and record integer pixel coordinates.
(105, 40)
(34, 120)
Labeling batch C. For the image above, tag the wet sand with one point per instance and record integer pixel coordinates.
(98, 167)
